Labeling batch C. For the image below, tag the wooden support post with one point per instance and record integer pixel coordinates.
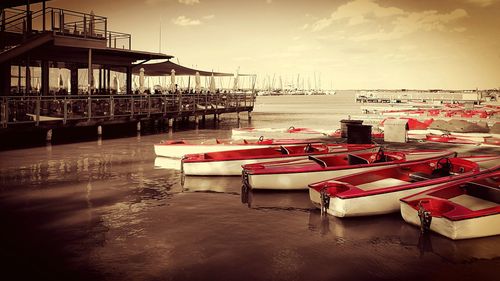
(37, 111)
(90, 76)
(129, 80)
(170, 122)
(48, 136)
(89, 108)
(45, 77)
(112, 108)
(4, 115)
(99, 130)
(65, 110)
(139, 126)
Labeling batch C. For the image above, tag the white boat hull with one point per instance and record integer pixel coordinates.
(276, 133)
(225, 168)
(366, 205)
(461, 229)
(296, 181)
(233, 167)
(179, 150)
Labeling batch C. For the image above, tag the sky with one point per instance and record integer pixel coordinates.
(340, 44)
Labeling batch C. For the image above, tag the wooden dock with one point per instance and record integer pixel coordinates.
(91, 110)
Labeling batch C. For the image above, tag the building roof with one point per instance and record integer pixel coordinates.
(16, 3)
(164, 68)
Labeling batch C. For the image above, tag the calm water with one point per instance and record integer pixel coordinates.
(101, 210)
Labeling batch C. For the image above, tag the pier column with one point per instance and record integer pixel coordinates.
(238, 115)
(74, 80)
(129, 80)
(90, 76)
(249, 115)
(138, 126)
(99, 130)
(196, 119)
(4, 80)
(170, 122)
(45, 77)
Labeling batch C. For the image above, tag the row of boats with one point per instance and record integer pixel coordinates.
(458, 197)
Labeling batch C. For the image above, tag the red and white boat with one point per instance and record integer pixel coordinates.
(378, 192)
(288, 175)
(179, 148)
(465, 138)
(228, 163)
(291, 132)
(468, 208)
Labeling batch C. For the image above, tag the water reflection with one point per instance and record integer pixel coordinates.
(216, 184)
(453, 251)
(167, 163)
(270, 199)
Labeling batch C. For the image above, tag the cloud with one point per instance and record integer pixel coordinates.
(482, 3)
(184, 21)
(189, 2)
(413, 22)
(269, 1)
(357, 12)
(208, 17)
(390, 22)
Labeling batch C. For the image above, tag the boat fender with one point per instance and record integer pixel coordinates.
(425, 218)
(261, 138)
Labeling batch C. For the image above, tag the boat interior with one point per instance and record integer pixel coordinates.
(466, 200)
(357, 159)
(406, 174)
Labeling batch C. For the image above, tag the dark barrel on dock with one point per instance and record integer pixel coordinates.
(343, 126)
(359, 134)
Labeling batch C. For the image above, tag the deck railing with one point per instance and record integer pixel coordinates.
(63, 22)
(63, 109)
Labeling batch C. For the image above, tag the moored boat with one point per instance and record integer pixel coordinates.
(179, 148)
(228, 163)
(291, 132)
(378, 192)
(299, 174)
(468, 208)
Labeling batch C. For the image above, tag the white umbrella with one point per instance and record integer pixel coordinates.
(69, 85)
(172, 80)
(235, 87)
(197, 80)
(115, 83)
(212, 84)
(141, 80)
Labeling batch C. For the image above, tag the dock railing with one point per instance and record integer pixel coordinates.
(63, 22)
(61, 109)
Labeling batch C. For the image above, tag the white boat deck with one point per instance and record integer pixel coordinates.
(472, 203)
(383, 183)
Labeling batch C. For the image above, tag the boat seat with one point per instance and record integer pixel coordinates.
(356, 160)
(419, 176)
(317, 160)
(283, 150)
(482, 191)
(383, 183)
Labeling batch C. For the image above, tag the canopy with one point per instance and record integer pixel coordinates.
(165, 68)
